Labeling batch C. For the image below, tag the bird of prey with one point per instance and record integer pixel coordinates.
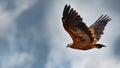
(84, 38)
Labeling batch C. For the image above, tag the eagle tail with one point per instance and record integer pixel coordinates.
(100, 46)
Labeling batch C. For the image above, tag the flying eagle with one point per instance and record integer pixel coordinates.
(84, 38)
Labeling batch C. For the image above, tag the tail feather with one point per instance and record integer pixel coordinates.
(100, 46)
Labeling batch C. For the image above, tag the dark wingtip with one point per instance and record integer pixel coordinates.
(66, 9)
(104, 18)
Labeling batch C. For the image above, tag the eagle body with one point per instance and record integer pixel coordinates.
(84, 46)
(84, 38)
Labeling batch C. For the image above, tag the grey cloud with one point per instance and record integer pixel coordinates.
(112, 5)
(4, 47)
(31, 27)
(116, 47)
(10, 4)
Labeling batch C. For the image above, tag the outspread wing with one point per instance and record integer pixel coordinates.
(74, 25)
(99, 25)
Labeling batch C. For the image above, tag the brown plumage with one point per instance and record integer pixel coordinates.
(84, 38)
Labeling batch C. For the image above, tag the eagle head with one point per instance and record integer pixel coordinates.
(70, 45)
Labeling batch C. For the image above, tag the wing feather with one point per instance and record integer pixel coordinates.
(99, 25)
(74, 25)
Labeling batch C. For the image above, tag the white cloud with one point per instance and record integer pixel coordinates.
(5, 21)
(93, 63)
(18, 60)
(22, 5)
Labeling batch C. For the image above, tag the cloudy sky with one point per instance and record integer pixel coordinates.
(32, 35)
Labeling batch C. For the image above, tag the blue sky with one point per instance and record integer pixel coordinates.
(32, 35)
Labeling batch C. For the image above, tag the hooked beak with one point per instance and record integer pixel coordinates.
(67, 46)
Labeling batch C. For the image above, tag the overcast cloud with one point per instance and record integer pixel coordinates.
(32, 35)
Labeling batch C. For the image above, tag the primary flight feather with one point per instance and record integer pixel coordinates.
(84, 38)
